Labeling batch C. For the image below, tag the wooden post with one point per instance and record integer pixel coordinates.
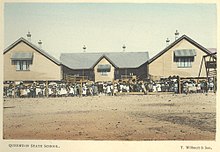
(215, 84)
(113, 88)
(14, 89)
(81, 84)
(47, 91)
(200, 69)
(179, 85)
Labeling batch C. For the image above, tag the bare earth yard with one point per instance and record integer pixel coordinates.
(127, 117)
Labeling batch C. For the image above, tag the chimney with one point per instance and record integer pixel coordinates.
(123, 47)
(40, 43)
(84, 48)
(168, 41)
(29, 36)
(177, 35)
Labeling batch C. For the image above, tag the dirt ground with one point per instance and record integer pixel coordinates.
(125, 117)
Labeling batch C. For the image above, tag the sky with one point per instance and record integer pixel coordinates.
(106, 27)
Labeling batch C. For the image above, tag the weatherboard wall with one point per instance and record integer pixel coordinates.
(99, 77)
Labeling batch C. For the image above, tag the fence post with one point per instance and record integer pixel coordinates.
(113, 88)
(81, 88)
(179, 85)
(215, 84)
(14, 88)
(47, 92)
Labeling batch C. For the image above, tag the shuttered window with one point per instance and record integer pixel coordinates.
(22, 65)
(22, 60)
(184, 57)
(184, 62)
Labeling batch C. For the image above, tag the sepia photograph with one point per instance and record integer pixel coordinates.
(118, 72)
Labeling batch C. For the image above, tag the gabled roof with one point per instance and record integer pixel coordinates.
(177, 41)
(41, 51)
(104, 56)
(118, 59)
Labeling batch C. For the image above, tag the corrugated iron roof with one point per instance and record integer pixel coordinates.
(118, 59)
(185, 52)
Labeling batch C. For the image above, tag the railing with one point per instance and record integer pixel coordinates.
(72, 78)
(128, 77)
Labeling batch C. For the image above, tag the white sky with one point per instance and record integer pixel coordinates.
(105, 27)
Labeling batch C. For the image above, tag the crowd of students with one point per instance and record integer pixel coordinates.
(62, 89)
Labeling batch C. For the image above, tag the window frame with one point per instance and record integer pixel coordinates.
(184, 62)
(22, 65)
(104, 73)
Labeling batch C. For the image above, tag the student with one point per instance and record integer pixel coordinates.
(108, 90)
(84, 89)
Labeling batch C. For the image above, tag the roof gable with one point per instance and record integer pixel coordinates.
(104, 56)
(41, 51)
(176, 42)
(128, 59)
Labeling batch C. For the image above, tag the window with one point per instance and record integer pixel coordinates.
(184, 62)
(184, 57)
(22, 65)
(22, 60)
(104, 73)
(103, 69)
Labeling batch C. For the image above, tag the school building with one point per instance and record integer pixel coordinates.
(24, 61)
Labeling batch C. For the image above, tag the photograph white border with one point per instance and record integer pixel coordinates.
(100, 146)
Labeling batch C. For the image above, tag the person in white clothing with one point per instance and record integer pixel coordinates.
(108, 91)
(84, 90)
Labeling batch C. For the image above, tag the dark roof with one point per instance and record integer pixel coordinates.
(177, 41)
(118, 59)
(41, 51)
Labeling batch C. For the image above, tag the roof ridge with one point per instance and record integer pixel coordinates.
(107, 58)
(102, 52)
